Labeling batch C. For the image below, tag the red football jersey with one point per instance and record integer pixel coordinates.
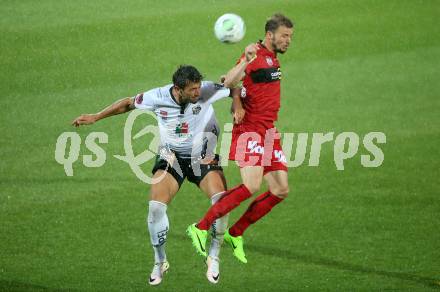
(261, 89)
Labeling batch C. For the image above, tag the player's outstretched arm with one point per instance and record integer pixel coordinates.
(236, 74)
(121, 106)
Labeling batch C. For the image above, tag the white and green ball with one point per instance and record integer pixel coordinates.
(229, 28)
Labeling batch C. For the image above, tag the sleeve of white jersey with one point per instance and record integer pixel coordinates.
(145, 100)
(211, 92)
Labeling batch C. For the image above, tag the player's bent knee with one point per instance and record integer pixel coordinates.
(160, 197)
(253, 188)
(282, 195)
(156, 210)
(280, 191)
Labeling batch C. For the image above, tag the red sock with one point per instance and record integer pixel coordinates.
(257, 209)
(229, 201)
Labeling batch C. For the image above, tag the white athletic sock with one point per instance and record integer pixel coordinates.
(158, 227)
(218, 229)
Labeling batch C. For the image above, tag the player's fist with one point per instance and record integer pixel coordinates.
(85, 119)
(238, 115)
(250, 52)
(222, 79)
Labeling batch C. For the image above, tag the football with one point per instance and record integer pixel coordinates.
(229, 28)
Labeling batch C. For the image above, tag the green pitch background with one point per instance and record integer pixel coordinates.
(359, 66)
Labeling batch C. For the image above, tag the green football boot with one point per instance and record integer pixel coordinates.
(198, 238)
(237, 245)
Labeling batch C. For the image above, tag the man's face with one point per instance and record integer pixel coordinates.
(281, 39)
(191, 92)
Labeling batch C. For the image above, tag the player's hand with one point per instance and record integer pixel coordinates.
(86, 119)
(222, 79)
(239, 115)
(251, 52)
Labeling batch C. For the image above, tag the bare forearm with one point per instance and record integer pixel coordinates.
(234, 76)
(236, 100)
(237, 109)
(121, 106)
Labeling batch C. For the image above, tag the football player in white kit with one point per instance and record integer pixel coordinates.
(187, 124)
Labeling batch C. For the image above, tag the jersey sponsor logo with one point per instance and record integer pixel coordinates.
(279, 156)
(266, 75)
(253, 147)
(182, 129)
(196, 110)
(163, 114)
(139, 98)
(269, 61)
(276, 75)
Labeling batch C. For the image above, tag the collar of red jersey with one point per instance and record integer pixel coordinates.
(265, 50)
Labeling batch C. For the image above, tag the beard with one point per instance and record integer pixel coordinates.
(279, 51)
(185, 99)
(276, 48)
(191, 100)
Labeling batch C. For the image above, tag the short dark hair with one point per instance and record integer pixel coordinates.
(276, 21)
(186, 74)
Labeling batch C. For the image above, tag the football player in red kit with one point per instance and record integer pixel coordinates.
(255, 141)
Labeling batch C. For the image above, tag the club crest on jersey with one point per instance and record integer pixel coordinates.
(243, 92)
(139, 98)
(196, 110)
(269, 61)
(182, 129)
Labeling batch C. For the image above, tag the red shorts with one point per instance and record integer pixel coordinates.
(257, 148)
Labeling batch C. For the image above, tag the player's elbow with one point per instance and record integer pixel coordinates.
(228, 83)
(128, 104)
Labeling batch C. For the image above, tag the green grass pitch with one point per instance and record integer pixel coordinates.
(354, 66)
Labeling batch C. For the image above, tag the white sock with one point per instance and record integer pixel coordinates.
(218, 229)
(158, 227)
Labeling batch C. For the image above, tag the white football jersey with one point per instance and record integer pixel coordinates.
(183, 128)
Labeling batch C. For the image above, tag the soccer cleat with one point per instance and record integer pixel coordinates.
(237, 245)
(159, 270)
(198, 238)
(213, 272)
